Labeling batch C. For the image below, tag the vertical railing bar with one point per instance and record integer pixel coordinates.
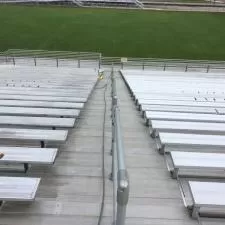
(57, 62)
(35, 63)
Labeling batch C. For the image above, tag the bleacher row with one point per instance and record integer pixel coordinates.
(38, 107)
(185, 115)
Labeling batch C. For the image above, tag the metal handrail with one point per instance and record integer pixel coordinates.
(51, 54)
(11, 56)
(119, 172)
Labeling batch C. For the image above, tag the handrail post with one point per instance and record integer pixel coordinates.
(35, 62)
(57, 62)
(99, 61)
(122, 196)
(164, 68)
(14, 63)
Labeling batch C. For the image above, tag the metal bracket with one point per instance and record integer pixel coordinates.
(123, 187)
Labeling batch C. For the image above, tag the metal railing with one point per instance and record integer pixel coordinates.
(119, 173)
(164, 64)
(95, 60)
(50, 58)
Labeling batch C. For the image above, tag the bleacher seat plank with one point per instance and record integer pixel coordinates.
(34, 83)
(187, 100)
(28, 155)
(186, 127)
(18, 188)
(191, 117)
(70, 91)
(196, 160)
(43, 98)
(37, 121)
(77, 94)
(181, 109)
(207, 194)
(56, 136)
(42, 104)
(197, 98)
(182, 103)
(178, 139)
(25, 111)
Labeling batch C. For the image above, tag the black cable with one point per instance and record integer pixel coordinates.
(101, 87)
(103, 155)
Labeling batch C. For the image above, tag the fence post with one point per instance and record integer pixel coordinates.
(14, 63)
(143, 65)
(186, 68)
(208, 67)
(57, 62)
(78, 62)
(164, 68)
(35, 62)
(99, 61)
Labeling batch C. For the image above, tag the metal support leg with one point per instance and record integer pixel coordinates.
(153, 133)
(26, 167)
(42, 144)
(195, 211)
(174, 173)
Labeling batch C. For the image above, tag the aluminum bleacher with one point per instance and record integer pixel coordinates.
(195, 164)
(206, 195)
(158, 126)
(45, 112)
(185, 115)
(42, 104)
(191, 117)
(37, 107)
(179, 109)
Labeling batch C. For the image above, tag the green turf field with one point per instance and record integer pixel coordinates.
(130, 33)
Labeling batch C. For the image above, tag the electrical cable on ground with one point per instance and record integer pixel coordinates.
(103, 154)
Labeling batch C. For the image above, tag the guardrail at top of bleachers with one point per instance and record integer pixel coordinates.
(51, 54)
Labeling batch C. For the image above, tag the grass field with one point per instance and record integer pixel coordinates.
(130, 33)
